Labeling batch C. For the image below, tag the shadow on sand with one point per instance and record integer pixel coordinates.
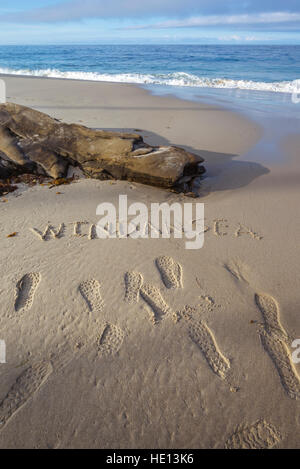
(223, 172)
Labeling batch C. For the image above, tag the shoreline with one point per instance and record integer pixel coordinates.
(206, 87)
(116, 101)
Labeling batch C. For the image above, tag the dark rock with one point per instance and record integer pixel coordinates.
(32, 142)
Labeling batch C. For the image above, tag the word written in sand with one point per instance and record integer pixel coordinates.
(219, 228)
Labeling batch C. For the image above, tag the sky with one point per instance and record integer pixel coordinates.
(149, 22)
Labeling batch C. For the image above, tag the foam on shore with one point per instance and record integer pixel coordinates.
(170, 79)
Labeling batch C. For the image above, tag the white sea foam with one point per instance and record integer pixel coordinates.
(170, 79)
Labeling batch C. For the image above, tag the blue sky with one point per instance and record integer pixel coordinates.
(149, 21)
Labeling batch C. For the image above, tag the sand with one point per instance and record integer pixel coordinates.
(126, 343)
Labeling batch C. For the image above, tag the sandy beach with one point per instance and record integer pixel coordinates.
(91, 363)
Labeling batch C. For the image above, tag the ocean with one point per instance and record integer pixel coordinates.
(258, 68)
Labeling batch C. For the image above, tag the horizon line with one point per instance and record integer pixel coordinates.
(226, 43)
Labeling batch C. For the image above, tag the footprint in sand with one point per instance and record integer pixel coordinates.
(281, 358)
(26, 385)
(111, 340)
(238, 270)
(134, 288)
(274, 337)
(203, 337)
(133, 283)
(270, 311)
(153, 297)
(259, 435)
(170, 271)
(90, 290)
(275, 340)
(25, 291)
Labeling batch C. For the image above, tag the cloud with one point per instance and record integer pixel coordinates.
(226, 20)
(237, 38)
(233, 37)
(74, 10)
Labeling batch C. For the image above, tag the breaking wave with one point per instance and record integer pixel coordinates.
(170, 79)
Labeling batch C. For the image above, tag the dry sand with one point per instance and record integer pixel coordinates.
(92, 361)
